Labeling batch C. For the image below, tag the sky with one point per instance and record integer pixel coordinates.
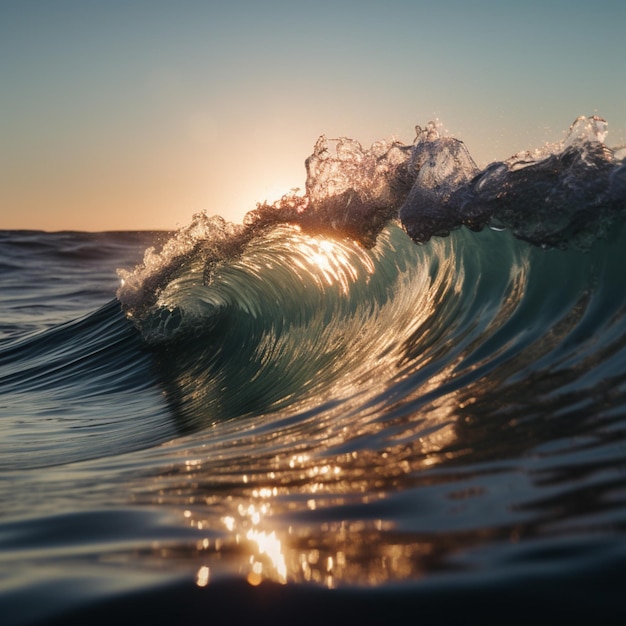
(136, 114)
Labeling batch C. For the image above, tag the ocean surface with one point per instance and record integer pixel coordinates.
(398, 396)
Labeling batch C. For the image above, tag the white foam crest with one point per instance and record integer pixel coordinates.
(366, 171)
(140, 287)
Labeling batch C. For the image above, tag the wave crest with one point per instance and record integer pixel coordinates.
(564, 196)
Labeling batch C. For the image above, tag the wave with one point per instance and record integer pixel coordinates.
(325, 295)
(309, 396)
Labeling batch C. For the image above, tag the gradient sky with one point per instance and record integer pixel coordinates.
(133, 115)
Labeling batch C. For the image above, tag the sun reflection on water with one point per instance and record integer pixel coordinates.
(264, 548)
(264, 529)
(202, 577)
(268, 545)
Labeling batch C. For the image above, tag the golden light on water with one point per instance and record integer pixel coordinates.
(270, 546)
(256, 537)
(202, 577)
(266, 557)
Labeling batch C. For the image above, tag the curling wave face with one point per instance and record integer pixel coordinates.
(304, 318)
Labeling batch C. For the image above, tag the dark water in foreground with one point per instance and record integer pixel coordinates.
(305, 421)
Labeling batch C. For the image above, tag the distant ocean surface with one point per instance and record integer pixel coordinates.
(398, 397)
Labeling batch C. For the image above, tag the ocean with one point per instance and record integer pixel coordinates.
(398, 396)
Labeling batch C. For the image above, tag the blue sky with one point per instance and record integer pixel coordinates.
(137, 114)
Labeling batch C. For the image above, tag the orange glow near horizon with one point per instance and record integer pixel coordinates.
(148, 198)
